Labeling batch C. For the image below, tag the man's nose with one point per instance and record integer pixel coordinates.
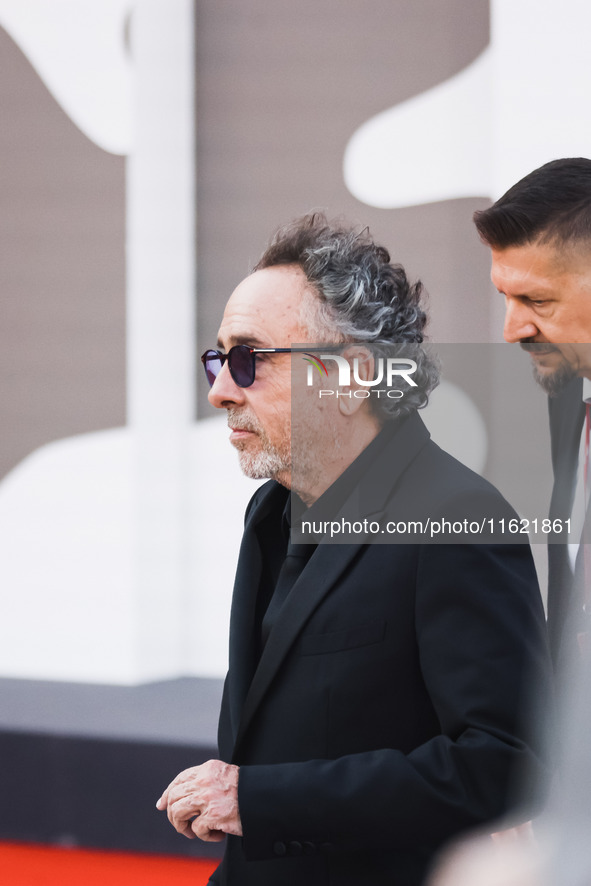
(518, 323)
(225, 392)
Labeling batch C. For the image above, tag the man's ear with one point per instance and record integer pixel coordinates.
(354, 397)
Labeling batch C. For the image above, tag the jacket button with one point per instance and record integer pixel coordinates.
(279, 848)
(309, 848)
(296, 848)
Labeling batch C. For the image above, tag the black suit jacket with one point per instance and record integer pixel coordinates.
(565, 589)
(385, 714)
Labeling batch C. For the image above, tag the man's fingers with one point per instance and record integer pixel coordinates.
(182, 812)
(203, 800)
(174, 785)
(204, 833)
(182, 826)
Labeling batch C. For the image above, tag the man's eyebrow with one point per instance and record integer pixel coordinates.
(533, 293)
(250, 340)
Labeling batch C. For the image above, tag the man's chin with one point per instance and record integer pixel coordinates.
(262, 465)
(554, 382)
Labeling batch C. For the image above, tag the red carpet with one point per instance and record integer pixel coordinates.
(29, 865)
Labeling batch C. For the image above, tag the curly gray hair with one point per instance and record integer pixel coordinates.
(361, 297)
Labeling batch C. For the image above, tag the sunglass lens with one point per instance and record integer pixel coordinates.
(212, 363)
(241, 360)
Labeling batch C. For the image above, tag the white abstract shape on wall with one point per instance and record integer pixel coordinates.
(78, 49)
(456, 424)
(76, 610)
(416, 152)
(522, 102)
(541, 85)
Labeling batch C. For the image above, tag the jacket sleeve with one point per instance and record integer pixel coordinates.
(481, 641)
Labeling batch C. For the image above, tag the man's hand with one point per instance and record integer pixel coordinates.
(203, 801)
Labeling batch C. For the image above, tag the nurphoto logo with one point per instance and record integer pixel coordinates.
(387, 371)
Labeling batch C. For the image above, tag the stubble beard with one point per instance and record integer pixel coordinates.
(274, 462)
(553, 383)
(268, 460)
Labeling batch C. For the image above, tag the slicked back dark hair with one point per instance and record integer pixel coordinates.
(550, 205)
(362, 295)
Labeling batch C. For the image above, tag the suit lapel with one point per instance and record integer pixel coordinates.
(243, 629)
(567, 414)
(317, 580)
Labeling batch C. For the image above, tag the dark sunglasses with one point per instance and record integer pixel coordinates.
(242, 362)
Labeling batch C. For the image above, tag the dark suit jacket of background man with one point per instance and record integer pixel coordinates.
(565, 590)
(385, 714)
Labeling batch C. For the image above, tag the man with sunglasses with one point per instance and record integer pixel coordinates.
(373, 705)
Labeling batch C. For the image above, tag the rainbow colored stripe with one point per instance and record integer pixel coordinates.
(316, 362)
